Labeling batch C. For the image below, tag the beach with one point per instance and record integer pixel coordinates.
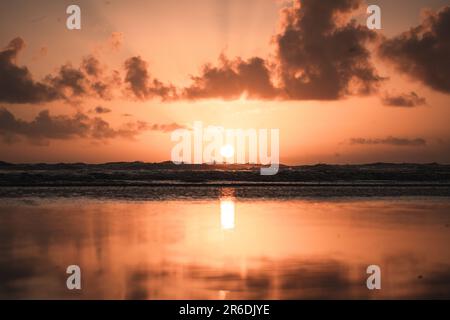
(223, 242)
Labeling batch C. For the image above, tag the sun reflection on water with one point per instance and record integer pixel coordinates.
(227, 214)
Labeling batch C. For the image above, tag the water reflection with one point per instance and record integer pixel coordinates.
(177, 249)
(227, 214)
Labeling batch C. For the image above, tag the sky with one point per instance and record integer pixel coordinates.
(137, 70)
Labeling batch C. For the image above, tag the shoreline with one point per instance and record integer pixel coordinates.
(163, 192)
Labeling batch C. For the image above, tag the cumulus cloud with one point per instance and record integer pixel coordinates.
(320, 56)
(407, 100)
(231, 79)
(141, 85)
(423, 52)
(16, 83)
(88, 80)
(392, 141)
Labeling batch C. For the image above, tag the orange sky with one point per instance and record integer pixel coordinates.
(175, 39)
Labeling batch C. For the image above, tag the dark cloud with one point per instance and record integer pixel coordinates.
(70, 82)
(423, 52)
(321, 57)
(102, 90)
(318, 57)
(16, 83)
(404, 100)
(231, 79)
(89, 80)
(393, 141)
(45, 126)
(91, 65)
(100, 110)
(137, 76)
(167, 127)
(141, 86)
(105, 86)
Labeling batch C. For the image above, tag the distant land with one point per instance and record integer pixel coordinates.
(140, 173)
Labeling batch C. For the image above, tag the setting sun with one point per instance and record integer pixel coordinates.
(227, 151)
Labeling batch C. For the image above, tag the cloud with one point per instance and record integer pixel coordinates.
(423, 52)
(100, 129)
(321, 57)
(318, 57)
(392, 141)
(407, 100)
(100, 110)
(88, 80)
(62, 127)
(16, 83)
(141, 86)
(70, 82)
(46, 127)
(91, 66)
(167, 127)
(232, 79)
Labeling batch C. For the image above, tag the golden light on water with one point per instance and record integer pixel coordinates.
(270, 250)
(227, 214)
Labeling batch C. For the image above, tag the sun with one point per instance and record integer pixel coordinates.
(227, 151)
